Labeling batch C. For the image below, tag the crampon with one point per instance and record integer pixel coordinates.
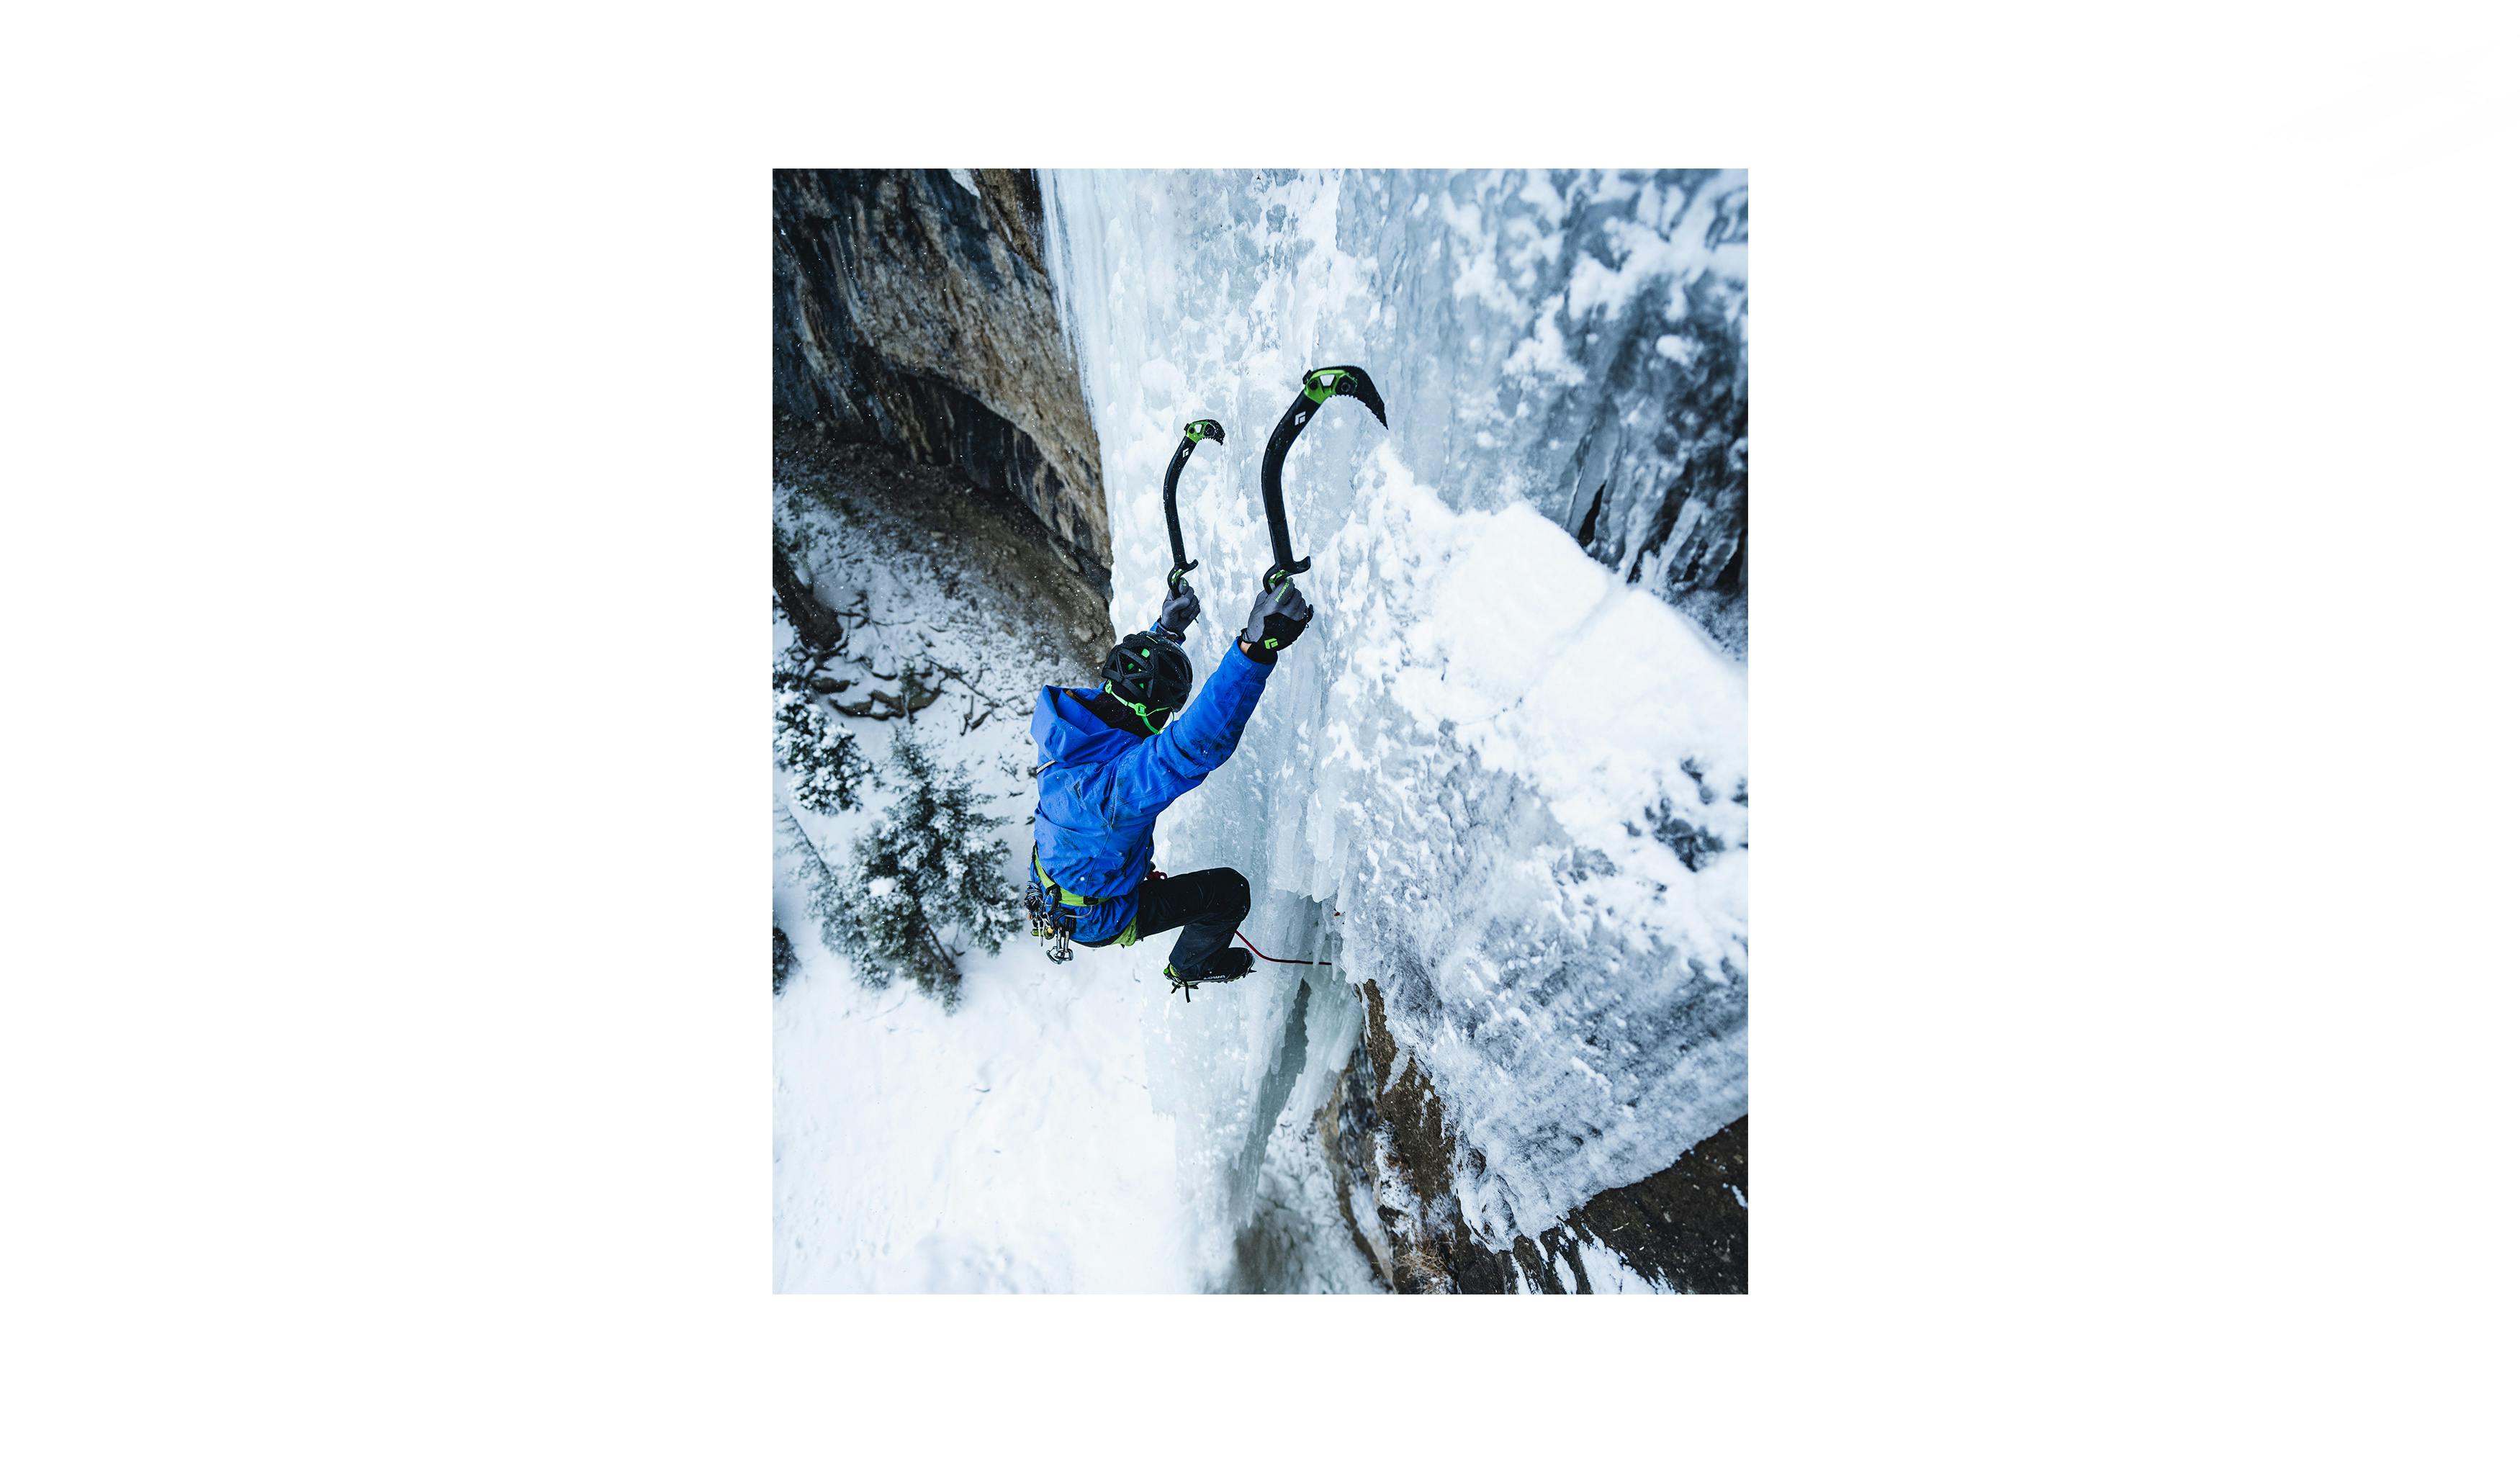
(1228, 965)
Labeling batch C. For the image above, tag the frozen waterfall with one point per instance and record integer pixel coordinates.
(1506, 776)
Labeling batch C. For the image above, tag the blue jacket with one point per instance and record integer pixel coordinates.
(1095, 826)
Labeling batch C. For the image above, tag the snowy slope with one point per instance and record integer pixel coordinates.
(986, 1150)
(1520, 784)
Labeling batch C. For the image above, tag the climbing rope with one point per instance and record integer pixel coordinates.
(1273, 959)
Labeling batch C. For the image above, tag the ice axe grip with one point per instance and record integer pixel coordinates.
(1320, 385)
(1204, 429)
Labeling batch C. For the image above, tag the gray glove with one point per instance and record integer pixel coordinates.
(1181, 607)
(1278, 617)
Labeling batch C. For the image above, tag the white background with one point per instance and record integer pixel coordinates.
(385, 1053)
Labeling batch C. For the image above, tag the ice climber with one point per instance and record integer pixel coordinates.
(1117, 756)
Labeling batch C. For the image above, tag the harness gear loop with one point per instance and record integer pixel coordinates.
(1055, 911)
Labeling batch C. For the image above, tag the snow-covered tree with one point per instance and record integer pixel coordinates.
(823, 760)
(928, 867)
(826, 898)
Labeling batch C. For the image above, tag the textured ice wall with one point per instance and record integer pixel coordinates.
(1521, 782)
(1574, 341)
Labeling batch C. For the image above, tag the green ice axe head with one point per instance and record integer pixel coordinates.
(1204, 429)
(1344, 380)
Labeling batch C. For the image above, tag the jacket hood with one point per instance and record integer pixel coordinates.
(1065, 731)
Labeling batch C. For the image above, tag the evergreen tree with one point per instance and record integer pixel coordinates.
(826, 899)
(822, 760)
(930, 865)
(783, 959)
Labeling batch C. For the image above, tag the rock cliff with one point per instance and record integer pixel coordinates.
(911, 310)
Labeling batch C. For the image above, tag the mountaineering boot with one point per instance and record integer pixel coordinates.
(1228, 964)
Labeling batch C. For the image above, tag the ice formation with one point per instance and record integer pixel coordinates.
(1498, 779)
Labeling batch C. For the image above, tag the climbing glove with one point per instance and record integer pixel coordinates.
(1181, 607)
(1277, 616)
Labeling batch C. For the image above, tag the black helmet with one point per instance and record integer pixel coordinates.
(1149, 675)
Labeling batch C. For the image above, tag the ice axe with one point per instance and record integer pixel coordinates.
(1320, 385)
(1204, 429)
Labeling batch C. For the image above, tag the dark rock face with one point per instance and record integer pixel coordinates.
(911, 311)
(1660, 481)
(910, 509)
(817, 624)
(1685, 1228)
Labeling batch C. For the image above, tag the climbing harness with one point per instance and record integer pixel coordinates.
(1204, 429)
(1319, 387)
(1055, 911)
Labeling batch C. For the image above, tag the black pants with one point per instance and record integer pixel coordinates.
(1205, 906)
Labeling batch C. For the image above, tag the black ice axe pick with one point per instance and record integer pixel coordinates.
(1318, 386)
(1204, 429)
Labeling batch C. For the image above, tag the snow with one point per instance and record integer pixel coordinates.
(1607, 1276)
(1676, 253)
(1544, 354)
(989, 1149)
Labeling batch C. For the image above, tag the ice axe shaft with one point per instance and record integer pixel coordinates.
(1204, 429)
(1320, 385)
